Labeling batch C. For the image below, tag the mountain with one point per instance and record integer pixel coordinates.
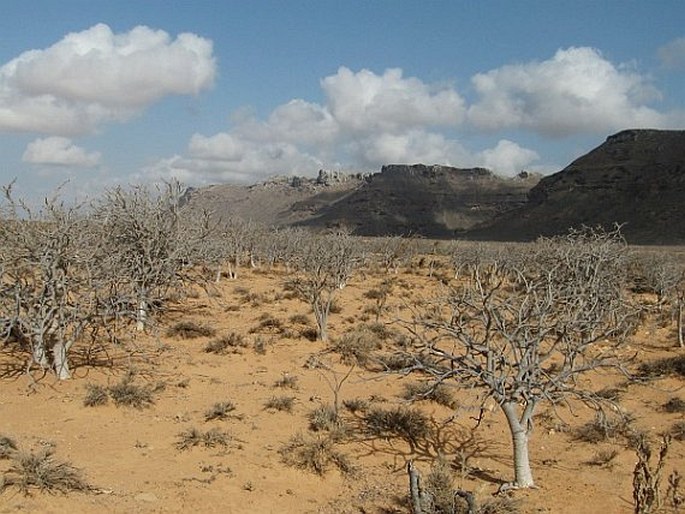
(279, 201)
(635, 178)
(433, 201)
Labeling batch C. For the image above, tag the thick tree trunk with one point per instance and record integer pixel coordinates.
(141, 317)
(523, 476)
(681, 343)
(40, 356)
(59, 354)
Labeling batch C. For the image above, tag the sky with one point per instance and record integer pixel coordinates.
(99, 93)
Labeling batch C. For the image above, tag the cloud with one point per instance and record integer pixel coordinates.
(576, 91)
(366, 102)
(96, 76)
(59, 151)
(672, 55)
(507, 158)
(368, 119)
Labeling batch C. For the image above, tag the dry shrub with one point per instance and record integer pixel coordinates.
(647, 478)
(438, 393)
(603, 458)
(439, 486)
(280, 403)
(7, 447)
(674, 405)
(677, 431)
(300, 319)
(227, 344)
(356, 405)
(357, 346)
(409, 424)
(268, 324)
(95, 395)
(41, 471)
(669, 366)
(220, 410)
(325, 418)
(190, 330)
(127, 394)
(314, 454)
(193, 437)
(287, 382)
(603, 428)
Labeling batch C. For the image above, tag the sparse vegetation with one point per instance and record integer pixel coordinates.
(220, 411)
(190, 330)
(438, 393)
(193, 437)
(287, 381)
(410, 424)
(668, 366)
(126, 393)
(40, 470)
(280, 403)
(314, 453)
(7, 447)
(602, 428)
(231, 343)
(95, 395)
(674, 405)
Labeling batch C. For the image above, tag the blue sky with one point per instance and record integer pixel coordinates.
(108, 92)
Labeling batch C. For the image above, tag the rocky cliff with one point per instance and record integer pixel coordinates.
(433, 201)
(635, 178)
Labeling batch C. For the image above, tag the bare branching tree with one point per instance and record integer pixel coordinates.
(48, 297)
(324, 264)
(522, 332)
(147, 246)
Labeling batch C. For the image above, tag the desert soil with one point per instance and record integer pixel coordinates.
(131, 459)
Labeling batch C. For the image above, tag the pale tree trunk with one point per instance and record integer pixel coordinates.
(59, 354)
(40, 356)
(523, 476)
(141, 317)
(681, 343)
(321, 309)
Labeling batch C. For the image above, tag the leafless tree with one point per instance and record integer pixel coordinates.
(523, 333)
(664, 276)
(48, 294)
(147, 246)
(324, 264)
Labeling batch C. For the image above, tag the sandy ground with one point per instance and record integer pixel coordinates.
(130, 456)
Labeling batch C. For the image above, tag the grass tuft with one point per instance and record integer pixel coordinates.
(190, 330)
(225, 345)
(280, 403)
(41, 471)
(314, 454)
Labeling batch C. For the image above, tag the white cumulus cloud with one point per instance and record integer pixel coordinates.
(59, 151)
(367, 102)
(507, 158)
(576, 91)
(95, 76)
